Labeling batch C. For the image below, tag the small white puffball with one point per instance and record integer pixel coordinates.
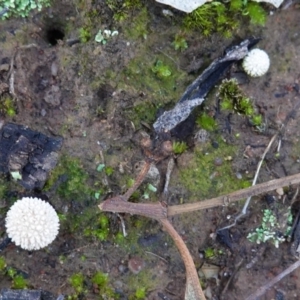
(256, 63)
(32, 223)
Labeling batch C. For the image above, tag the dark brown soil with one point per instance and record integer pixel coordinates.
(86, 93)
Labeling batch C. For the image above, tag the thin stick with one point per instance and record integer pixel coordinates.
(170, 168)
(244, 211)
(269, 284)
(193, 289)
(118, 205)
(235, 196)
(151, 253)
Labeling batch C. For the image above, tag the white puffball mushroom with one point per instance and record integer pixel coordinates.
(32, 223)
(256, 63)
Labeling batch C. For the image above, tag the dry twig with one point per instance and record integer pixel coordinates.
(235, 196)
(269, 284)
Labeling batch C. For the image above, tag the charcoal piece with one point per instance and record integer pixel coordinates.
(223, 236)
(6, 241)
(7, 294)
(195, 93)
(29, 153)
(210, 76)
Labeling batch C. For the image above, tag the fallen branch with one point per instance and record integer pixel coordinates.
(235, 196)
(157, 211)
(193, 289)
(268, 285)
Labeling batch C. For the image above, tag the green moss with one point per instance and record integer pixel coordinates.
(257, 120)
(98, 228)
(156, 88)
(233, 98)
(212, 17)
(101, 281)
(180, 42)
(209, 253)
(72, 177)
(123, 9)
(145, 112)
(7, 105)
(2, 264)
(19, 282)
(256, 13)
(77, 282)
(144, 281)
(203, 178)
(140, 293)
(138, 27)
(84, 34)
(179, 147)
(224, 18)
(161, 70)
(109, 171)
(206, 122)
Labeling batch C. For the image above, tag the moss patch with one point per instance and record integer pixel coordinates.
(72, 179)
(209, 173)
(142, 75)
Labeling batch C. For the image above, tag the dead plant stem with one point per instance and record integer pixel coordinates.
(193, 289)
(235, 196)
(269, 284)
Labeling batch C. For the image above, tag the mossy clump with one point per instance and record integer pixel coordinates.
(140, 293)
(138, 25)
(158, 84)
(2, 264)
(206, 122)
(123, 8)
(101, 281)
(77, 282)
(142, 112)
(18, 281)
(7, 105)
(98, 228)
(179, 147)
(224, 18)
(209, 173)
(84, 34)
(232, 98)
(72, 179)
(161, 70)
(180, 42)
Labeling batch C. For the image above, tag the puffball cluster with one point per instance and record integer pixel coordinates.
(256, 63)
(32, 223)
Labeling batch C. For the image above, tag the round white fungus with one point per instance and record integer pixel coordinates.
(256, 63)
(32, 223)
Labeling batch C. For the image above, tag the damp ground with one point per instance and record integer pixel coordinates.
(102, 98)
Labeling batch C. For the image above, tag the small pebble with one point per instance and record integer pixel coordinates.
(280, 191)
(201, 136)
(238, 175)
(136, 264)
(43, 112)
